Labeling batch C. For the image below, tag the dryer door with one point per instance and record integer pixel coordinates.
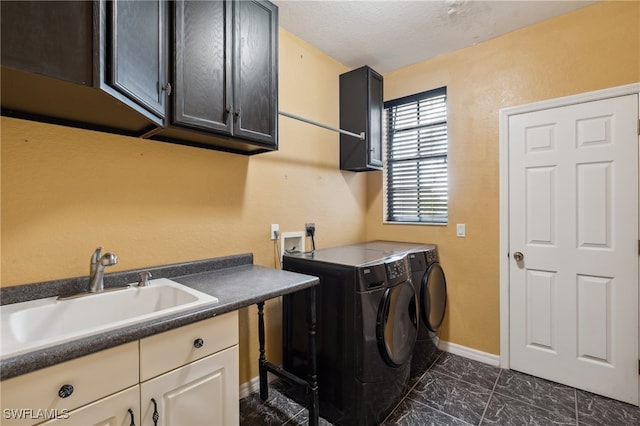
(397, 324)
(433, 297)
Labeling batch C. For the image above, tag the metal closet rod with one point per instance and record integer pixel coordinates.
(360, 136)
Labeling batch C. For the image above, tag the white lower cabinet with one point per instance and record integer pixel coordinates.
(59, 390)
(191, 372)
(205, 392)
(115, 410)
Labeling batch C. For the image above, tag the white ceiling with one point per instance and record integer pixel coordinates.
(390, 34)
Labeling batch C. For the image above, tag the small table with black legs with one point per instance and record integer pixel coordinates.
(311, 384)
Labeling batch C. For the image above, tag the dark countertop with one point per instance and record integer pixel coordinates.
(234, 280)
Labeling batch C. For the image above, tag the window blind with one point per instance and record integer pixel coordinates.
(416, 173)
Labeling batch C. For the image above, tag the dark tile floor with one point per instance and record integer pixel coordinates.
(460, 391)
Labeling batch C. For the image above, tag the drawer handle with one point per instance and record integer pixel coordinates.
(133, 422)
(65, 391)
(155, 416)
(198, 343)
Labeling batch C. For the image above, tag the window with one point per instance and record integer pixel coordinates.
(416, 176)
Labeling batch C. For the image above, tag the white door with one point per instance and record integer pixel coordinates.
(573, 216)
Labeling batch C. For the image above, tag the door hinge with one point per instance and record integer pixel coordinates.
(638, 126)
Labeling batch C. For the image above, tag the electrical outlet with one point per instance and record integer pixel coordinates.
(310, 228)
(275, 231)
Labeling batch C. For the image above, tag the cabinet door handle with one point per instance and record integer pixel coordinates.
(237, 112)
(198, 343)
(65, 391)
(167, 89)
(155, 416)
(133, 422)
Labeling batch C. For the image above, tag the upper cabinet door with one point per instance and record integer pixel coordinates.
(139, 52)
(361, 110)
(374, 127)
(256, 71)
(202, 61)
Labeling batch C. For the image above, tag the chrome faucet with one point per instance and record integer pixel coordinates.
(99, 261)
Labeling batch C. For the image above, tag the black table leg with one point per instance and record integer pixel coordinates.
(264, 384)
(311, 385)
(314, 407)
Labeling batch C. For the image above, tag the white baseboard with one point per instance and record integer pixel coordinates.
(250, 387)
(470, 353)
(253, 385)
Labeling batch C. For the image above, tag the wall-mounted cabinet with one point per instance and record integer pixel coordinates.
(224, 72)
(195, 73)
(361, 107)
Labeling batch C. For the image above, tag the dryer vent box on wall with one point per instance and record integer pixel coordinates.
(292, 243)
(361, 107)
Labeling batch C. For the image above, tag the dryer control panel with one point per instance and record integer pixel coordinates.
(432, 256)
(397, 271)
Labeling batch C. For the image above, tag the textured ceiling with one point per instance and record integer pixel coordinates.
(390, 34)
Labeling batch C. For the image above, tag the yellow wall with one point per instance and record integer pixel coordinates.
(592, 48)
(67, 191)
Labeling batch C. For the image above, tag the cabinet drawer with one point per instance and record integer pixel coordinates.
(110, 411)
(27, 398)
(169, 350)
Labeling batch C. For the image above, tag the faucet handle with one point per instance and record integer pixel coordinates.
(97, 254)
(143, 278)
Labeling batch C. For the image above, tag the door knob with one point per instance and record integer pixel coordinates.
(518, 256)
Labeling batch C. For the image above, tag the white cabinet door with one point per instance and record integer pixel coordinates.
(204, 392)
(110, 411)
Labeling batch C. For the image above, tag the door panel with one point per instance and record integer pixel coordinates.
(573, 214)
(594, 318)
(204, 392)
(539, 290)
(594, 205)
(203, 65)
(138, 52)
(541, 205)
(255, 73)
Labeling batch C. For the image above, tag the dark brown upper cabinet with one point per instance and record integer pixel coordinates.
(199, 73)
(361, 110)
(225, 73)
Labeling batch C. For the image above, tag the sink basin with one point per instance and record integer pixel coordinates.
(47, 322)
